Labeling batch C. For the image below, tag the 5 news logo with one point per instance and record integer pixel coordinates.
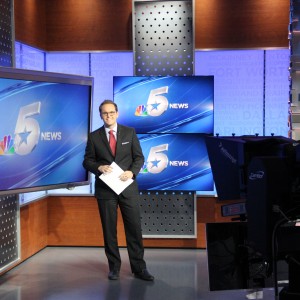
(27, 132)
(157, 160)
(158, 103)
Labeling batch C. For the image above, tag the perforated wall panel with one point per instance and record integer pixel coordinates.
(168, 215)
(6, 33)
(9, 231)
(163, 38)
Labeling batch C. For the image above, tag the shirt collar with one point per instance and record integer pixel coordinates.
(114, 129)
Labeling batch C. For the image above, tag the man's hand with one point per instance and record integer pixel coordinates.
(126, 175)
(105, 169)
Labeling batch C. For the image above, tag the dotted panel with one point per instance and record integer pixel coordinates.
(163, 38)
(9, 230)
(168, 215)
(6, 29)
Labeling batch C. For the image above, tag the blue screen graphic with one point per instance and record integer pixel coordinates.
(43, 133)
(175, 162)
(166, 104)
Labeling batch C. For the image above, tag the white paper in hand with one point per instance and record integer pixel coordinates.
(113, 181)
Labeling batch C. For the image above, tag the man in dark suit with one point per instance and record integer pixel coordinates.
(129, 156)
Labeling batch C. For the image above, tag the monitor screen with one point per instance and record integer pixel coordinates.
(179, 104)
(230, 156)
(45, 120)
(176, 162)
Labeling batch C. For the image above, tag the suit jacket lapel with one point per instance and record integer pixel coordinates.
(118, 139)
(104, 138)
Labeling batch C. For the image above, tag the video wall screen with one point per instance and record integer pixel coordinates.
(170, 104)
(176, 162)
(45, 120)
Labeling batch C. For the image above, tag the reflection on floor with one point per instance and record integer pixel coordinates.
(80, 273)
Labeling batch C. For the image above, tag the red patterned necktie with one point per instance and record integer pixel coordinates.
(112, 142)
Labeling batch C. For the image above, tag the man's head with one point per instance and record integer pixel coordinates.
(109, 113)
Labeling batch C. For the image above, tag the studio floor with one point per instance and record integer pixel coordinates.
(80, 273)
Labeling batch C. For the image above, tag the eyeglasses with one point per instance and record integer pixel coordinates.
(110, 113)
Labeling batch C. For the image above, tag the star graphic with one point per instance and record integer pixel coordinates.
(155, 163)
(23, 136)
(155, 106)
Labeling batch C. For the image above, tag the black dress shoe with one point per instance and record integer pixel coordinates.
(144, 275)
(113, 275)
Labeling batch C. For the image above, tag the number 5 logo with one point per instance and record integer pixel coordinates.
(27, 129)
(157, 104)
(157, 161)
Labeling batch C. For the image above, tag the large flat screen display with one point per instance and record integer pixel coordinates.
(45, 119)
(172, 104)
(176, 162)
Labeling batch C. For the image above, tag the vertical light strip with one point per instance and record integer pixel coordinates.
(6, 34)
(163, 38)
(10, 231)
(264, 95)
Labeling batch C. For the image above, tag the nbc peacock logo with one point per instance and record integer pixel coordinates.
(141, 111)
(7, 145)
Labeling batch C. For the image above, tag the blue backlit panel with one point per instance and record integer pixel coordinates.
(277, 92)
(29, 58)
(68, 62)
(239, 89)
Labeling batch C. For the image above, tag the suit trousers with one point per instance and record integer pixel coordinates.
(130, 211)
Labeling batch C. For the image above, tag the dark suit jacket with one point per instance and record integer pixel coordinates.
(129, 156)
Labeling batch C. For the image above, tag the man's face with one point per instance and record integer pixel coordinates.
(109, 115)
